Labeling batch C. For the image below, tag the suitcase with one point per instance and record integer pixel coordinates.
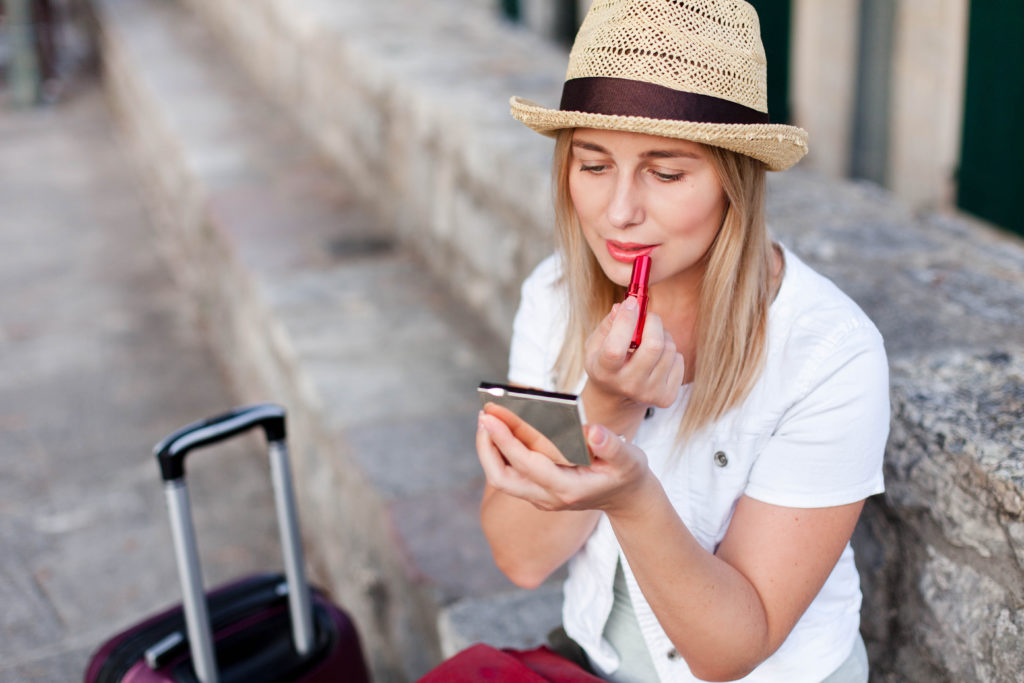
(264, 627)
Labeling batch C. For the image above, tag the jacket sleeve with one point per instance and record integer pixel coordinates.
(829, 444)
(538, 328)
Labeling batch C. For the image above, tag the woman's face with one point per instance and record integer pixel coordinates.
(643, 194)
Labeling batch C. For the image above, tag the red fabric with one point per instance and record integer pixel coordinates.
(485, 663)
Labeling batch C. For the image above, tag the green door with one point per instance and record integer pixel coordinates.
(774, 16)
(991, 174)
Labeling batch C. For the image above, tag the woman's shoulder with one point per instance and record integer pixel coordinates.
(545, 275)
(539, 326)
(811, 305)
(542, 298)
(814, 328)
(542, 293)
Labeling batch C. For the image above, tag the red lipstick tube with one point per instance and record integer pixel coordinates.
(638, 288)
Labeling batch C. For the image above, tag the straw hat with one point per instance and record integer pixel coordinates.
(689, 69)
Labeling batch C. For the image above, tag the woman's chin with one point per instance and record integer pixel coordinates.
(616, 271)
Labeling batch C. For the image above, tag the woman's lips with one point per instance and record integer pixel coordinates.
(627, 252)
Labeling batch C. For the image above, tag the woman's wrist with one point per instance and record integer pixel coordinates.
(617, 412)
(636, 500)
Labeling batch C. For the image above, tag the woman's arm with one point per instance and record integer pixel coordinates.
(623, 384)
(725, 612)
(528, 543)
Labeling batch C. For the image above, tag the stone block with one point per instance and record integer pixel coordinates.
(517, 619)
(978, 629)
(940, 553)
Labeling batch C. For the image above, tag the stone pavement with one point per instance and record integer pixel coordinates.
(99, 359)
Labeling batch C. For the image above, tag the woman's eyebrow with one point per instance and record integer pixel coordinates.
(593, 147)
(669, 154)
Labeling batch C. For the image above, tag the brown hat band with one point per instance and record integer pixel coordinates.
(625, 97)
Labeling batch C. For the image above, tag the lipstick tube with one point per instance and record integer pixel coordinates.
(638, 282)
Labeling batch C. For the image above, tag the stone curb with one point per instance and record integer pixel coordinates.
(310, 303)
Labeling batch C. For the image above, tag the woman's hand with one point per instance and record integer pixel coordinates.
(649, 375)
(517, 461)
(528, 541)
(623, 384)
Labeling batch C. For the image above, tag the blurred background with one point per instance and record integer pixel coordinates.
(325, 204)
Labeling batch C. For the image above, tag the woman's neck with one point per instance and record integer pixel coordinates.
(676, 301)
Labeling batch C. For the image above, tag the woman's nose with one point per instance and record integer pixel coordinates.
(625, 208)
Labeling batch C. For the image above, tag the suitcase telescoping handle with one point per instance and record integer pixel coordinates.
(171, 454)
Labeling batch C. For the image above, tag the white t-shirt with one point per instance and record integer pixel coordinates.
(811, 433)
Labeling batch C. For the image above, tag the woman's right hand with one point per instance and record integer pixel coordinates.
(648, 376)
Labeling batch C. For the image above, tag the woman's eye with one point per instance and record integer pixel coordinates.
(592, 168)
(667, 177)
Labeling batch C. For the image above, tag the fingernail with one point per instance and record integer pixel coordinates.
(630, 303)
(597, 436)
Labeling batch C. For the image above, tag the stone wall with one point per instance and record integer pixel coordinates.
(409, 101)
(413, 106)
(941, 553)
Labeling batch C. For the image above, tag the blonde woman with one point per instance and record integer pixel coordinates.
(733, 449)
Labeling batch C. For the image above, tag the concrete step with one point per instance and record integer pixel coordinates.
(312, 303)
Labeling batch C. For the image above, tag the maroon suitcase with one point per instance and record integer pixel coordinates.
(266, 627)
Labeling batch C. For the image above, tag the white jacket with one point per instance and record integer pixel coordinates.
(811, 433)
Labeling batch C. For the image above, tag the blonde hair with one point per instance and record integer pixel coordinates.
(731, 322)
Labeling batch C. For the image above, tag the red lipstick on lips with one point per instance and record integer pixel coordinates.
(638, 288)
(627, 252)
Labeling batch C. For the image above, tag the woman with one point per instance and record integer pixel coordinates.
(733, 449)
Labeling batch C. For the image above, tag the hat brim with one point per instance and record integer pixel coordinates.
(778, 145)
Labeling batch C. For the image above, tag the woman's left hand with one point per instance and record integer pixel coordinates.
(516, 465)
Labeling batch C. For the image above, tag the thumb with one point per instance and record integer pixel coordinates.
(603, 443)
